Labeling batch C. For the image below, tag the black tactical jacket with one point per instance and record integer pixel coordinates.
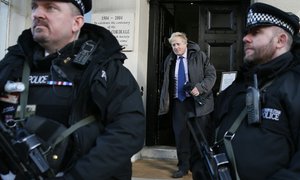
(103, 88)
(271, 149)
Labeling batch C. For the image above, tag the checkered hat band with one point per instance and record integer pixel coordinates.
(80, 3)
(260, 18)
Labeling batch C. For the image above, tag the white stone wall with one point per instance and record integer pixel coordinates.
(19, 19)
(286, 5)
(137, 58)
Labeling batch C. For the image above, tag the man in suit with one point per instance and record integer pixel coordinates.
(187, 66)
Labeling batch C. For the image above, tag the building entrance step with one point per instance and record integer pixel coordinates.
(155, 169)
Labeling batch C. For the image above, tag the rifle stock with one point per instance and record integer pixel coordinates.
(12, 155)
(25, 157)
(216, 164)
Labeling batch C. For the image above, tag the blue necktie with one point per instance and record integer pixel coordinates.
(181, 80)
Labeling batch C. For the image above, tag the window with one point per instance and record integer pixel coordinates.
(4, 19)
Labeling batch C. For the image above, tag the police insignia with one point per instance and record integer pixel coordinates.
(271, 114)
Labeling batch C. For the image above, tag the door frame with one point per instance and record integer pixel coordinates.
(154, 54)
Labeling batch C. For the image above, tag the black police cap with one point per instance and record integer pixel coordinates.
(260, 14)
(83, 5)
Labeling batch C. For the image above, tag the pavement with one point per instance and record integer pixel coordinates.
(156, 169)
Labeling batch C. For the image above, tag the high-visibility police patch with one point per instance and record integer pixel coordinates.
(38, 79)
(46, 80)
(271, 114)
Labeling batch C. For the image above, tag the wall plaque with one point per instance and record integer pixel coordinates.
(121, 25)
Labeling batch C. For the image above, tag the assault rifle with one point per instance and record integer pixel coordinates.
(216, 164)
(24, 151)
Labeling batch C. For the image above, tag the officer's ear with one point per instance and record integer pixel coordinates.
(78, 22)
(283, 37)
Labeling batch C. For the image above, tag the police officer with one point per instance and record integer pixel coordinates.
(76, 70)
(266, 147)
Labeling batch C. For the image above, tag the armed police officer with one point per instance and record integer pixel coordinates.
(259, 126)
(76, 70)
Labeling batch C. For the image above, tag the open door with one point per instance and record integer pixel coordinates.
(217, 26)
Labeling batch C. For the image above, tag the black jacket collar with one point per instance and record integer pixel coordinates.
(108, 44)
(266, 71)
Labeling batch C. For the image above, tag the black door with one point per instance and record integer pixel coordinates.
(216, 26)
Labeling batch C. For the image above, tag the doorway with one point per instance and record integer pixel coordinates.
(217, 26)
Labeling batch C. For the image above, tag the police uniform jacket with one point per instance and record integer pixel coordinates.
(270, 149)
(201, 73)
(68, 92)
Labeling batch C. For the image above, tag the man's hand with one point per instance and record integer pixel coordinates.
(195, 92)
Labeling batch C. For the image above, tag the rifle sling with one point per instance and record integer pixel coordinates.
(24, 94)
(73, 128)
(229, 135)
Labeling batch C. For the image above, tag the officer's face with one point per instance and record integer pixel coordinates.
(260, 45)
(54, 24)
(178, 45)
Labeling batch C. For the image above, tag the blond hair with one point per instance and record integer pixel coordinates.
(178, 34)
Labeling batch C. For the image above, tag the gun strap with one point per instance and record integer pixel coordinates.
(73, 128)
(24, 94)
(229, 135)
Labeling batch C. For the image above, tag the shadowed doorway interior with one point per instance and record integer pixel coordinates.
(216, 26)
